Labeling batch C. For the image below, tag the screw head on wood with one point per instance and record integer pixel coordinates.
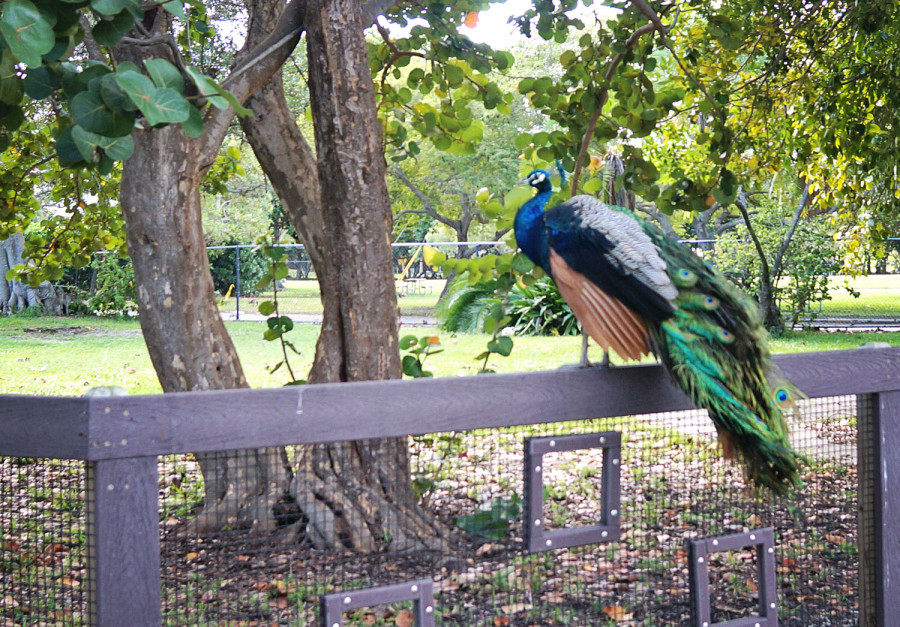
(347, 600)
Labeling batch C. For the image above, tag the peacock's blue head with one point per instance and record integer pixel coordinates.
(538, 179)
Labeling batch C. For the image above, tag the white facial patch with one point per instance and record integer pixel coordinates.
(538, 177)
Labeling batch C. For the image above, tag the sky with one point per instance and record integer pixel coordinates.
(493, 28)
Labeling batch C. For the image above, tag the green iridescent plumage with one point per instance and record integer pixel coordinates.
(716, 348)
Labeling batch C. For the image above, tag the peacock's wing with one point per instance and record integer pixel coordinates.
(610, 272)
(609, 322)
(715, 346)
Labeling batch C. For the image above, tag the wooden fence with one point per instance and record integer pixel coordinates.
(120, 438)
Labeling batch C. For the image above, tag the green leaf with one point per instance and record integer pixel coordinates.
(501, 346)
(118, 148)
(522, 264)
(41, 82)
(86, 142)
(137, 87)
(193, 126)
(11, 88)
(407, 342)
(176, 8)
(114, 96)
(516, 197)
(432, 256)
(66, 150)
(108, 32)
(412, 367)
(27, 32)
(89, 144)
(114, 7)
(164, 74)
(267, 307)
(592, 185)
(90, 112)
(166, 106)
(212, 91)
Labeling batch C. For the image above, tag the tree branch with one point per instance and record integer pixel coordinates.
(604, 94)
(776, 265)
(255, 66)
(427, 205)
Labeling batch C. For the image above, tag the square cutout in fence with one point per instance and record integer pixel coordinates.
(537, 536)
(698, 566)
(421, 592)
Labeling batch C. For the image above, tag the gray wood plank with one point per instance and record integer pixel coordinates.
(43, 426)
(123, 542)
(257, 418)
(887, 508)
(230, 419)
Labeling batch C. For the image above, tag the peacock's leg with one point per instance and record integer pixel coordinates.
(584, 363)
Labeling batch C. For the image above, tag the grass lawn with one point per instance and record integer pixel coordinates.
(67, 356)
(415, 297)
(879, 296)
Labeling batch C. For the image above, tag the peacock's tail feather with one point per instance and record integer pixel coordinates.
(715, 347)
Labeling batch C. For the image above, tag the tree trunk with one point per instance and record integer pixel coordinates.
(186, 338)
(183, 329)
(15, 295)
(354, 495)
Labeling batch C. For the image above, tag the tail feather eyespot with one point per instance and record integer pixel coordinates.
(685, 278)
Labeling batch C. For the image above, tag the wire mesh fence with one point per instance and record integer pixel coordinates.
(43, 552)
(454, 516)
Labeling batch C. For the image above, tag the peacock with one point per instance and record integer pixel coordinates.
(639, 293)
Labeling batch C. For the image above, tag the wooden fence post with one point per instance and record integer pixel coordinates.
(878, 449)
(123, 542)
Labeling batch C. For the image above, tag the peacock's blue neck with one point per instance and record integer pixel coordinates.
(530, 233)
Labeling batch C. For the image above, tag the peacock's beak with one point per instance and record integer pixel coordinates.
(523, 181)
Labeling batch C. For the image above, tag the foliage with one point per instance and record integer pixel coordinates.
(277, 325)
(464, 307)
(536, 309)
(114, 290)
(539, 309)
(493, 522)
(254, 266)
(811, 257)
(417, 351)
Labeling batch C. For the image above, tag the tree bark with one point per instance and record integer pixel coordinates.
(15, 295)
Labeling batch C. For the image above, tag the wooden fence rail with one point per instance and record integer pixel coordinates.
(121, 437)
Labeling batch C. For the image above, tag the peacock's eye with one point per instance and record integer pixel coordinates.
(782, 396)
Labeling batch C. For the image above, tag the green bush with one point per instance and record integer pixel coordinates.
(811, 257)
(114, 290)
(537, 309)
(254, 266)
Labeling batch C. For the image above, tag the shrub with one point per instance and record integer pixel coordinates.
(254, 265)
(537, 309)
(114, 290)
